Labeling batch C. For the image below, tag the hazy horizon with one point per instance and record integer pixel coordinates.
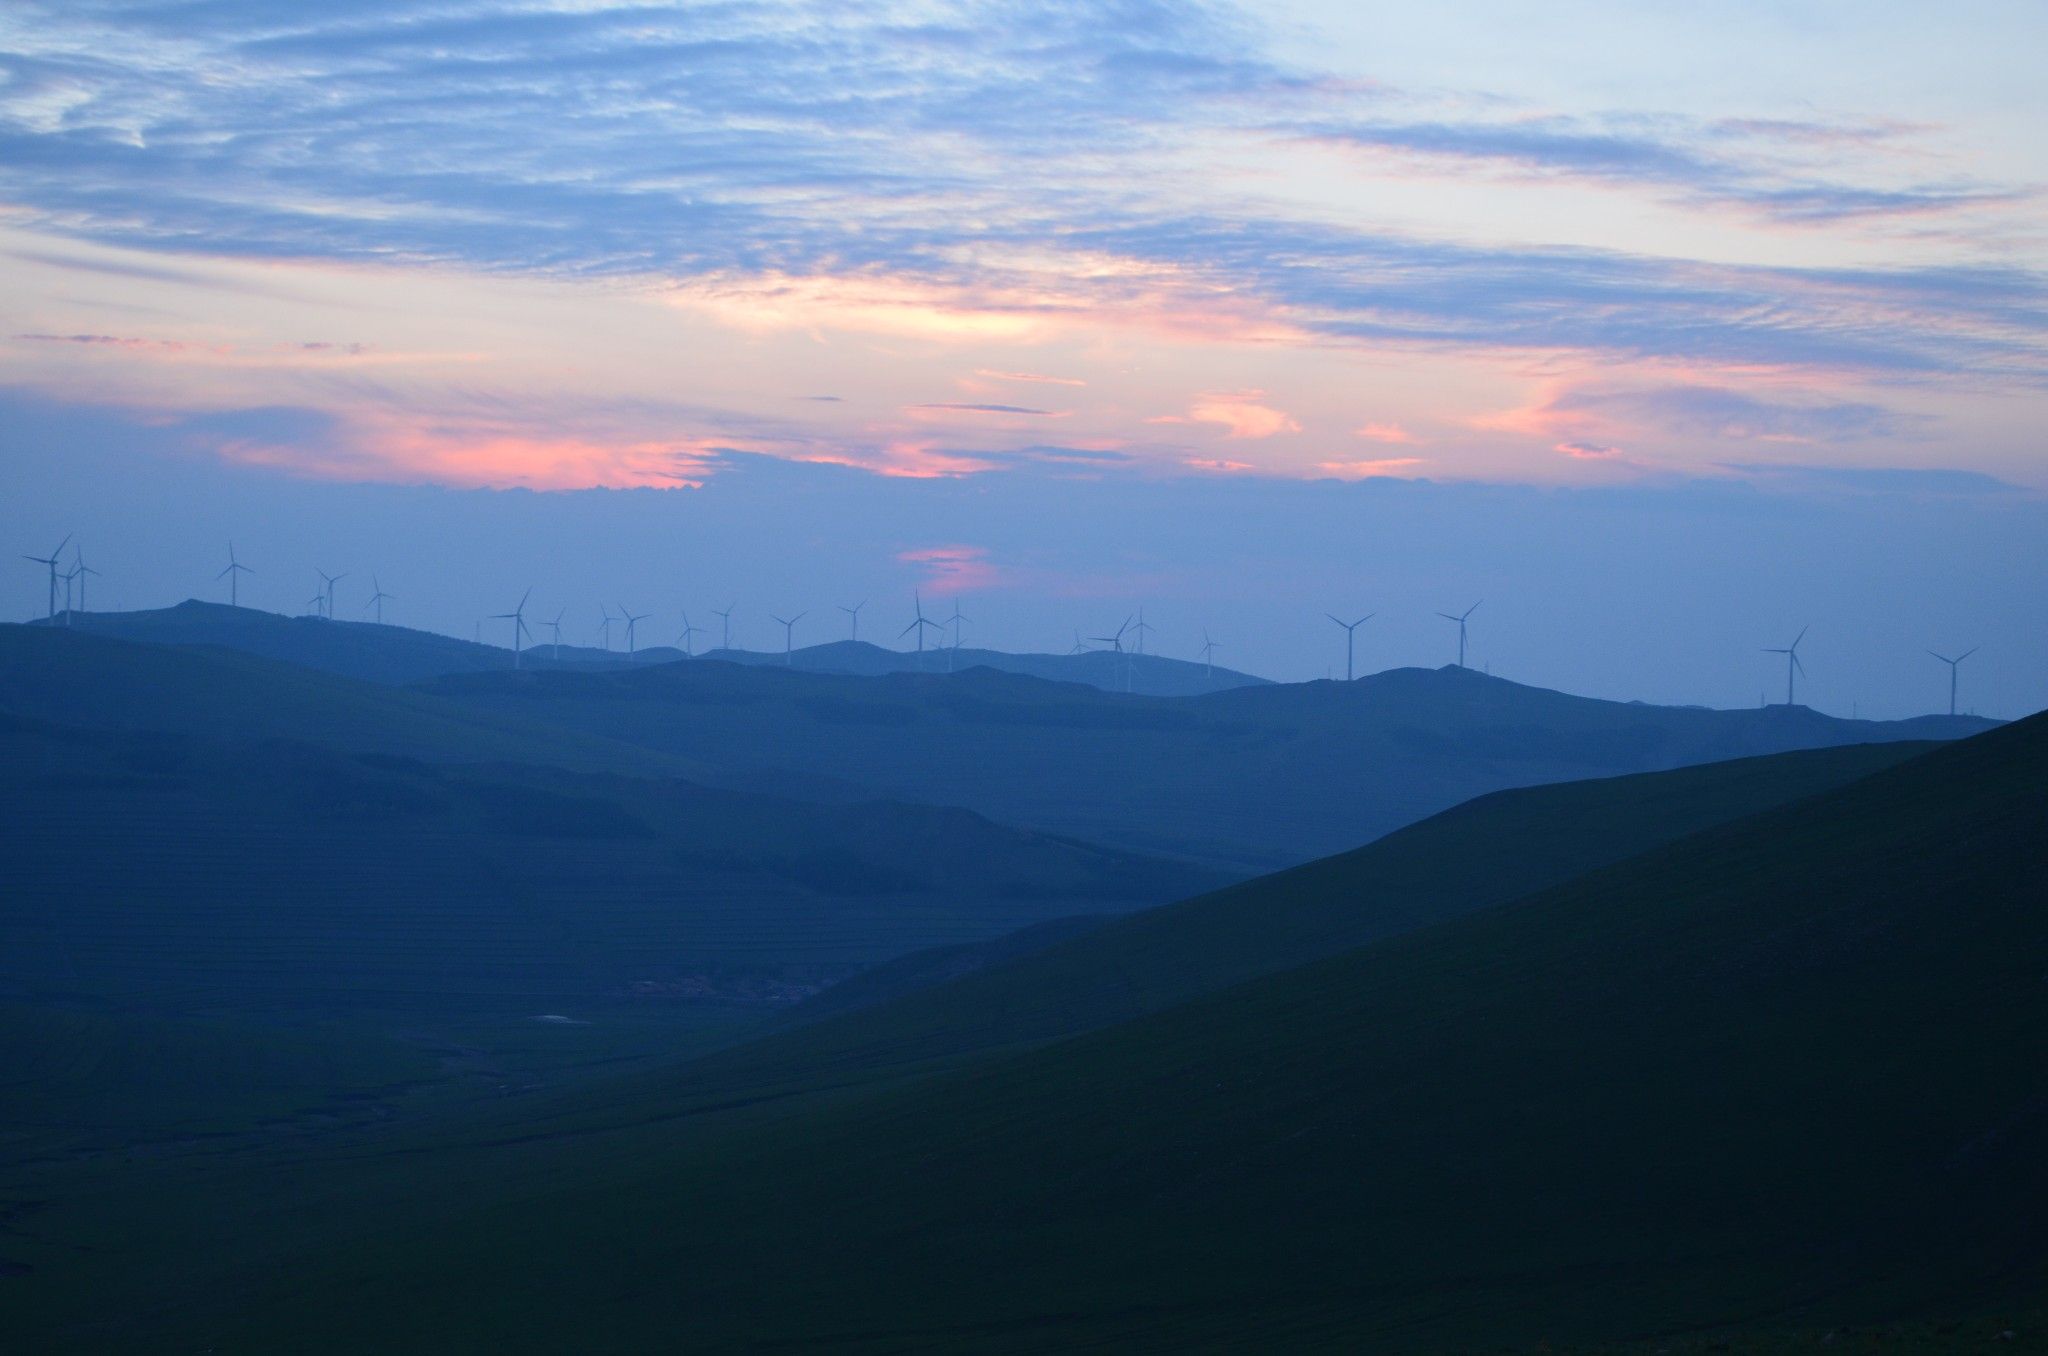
(1665, 334)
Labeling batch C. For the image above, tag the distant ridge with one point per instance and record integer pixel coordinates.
(388, 653)
(1248, 779)
(1147, 675)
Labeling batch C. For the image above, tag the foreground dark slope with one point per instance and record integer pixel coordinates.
(1483, 853)
(1249, 780)
(146, 868)
(1787, 1070)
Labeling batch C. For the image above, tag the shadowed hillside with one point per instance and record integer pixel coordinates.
(1785, 1072)
(289, 878)
(398, 654)
(1249, 779)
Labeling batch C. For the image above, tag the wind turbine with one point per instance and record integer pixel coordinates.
(1208, 655)
(70, 576)
(789, 636)
(51, 561)
(689, 637)
(517, 616)
(632, 627)
(332, 580)
(608, 620)
(377, 599)
(956, 621)
(853, 613)
(1080, 646)
(233, 574)
(1792, 664)
(1351, 635)
(556, 627)
(80, 569)
(1953, 665)
(1142, 628)
(919, 626)
(724, 625)
(1460, 620)
(1116, 645)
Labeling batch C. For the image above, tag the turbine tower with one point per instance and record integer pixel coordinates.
(919, 627)
(1142, 629)
(789, 636)
(1351, 635)
(853, 614)
(331, 581)
(688, 637)
(517, 616)
(632, 627)
(1953, 665)
(51, 561)
(555, 626)
(233, 574)
(957, 621)
(608, 620)
(1208, 655)
(1792, 665)
(724, 625)
(1460, 620)
(80, 570)
(1116, 645)
(377, 599)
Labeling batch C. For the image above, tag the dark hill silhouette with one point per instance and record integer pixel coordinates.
(77, 678)
(1069, 977)
(384, 653)
(1148, 675)
(174, 872)
(1249, 779)
(1783, 1071)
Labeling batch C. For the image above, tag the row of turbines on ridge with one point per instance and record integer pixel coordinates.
(1135, 627)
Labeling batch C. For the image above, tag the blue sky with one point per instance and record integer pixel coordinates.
(1242, 311)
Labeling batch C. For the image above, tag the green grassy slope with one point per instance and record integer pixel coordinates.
(1788, 1070)
(1250, 780)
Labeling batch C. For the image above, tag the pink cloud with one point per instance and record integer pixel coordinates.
(1365, 470)
(1028, 376)
(1385, 433)
(1218, 464)
(1589, 451)
(1241, 414)
(953, 569)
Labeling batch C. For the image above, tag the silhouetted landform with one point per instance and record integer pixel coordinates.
(162, 870)
(1147, 675)
(1784, 1072)
(383, 653)
(1481, 854)
(1246, 780)
(372, 652)
(71, 677)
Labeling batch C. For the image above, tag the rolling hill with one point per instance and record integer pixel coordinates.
(1246, 780)
(163, 870)
(393, 654)
(1147, 675)
(1783, 1072)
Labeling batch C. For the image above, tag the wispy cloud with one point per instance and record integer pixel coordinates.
(953, 568)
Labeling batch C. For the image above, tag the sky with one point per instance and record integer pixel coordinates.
(1666, 331)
